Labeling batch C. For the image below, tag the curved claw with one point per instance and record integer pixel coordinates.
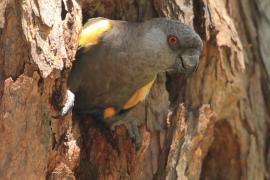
(133, 132)
(131, 126)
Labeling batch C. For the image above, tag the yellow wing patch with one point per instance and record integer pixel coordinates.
(91, 34)
(139, 95)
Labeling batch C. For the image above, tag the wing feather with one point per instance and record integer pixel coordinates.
(93, 30)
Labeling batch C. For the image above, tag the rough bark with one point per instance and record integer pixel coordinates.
(38, 38)
(212, 125)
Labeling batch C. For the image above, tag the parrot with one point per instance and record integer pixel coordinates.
(118, 61)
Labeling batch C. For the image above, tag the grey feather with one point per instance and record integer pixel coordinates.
(127, 57)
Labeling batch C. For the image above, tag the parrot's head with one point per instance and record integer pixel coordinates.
(176, 44)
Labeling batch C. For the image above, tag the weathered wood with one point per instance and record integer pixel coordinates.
(33, 51)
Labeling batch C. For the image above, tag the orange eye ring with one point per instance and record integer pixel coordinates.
(172, 40)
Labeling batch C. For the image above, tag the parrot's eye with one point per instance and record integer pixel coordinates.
(172, 40)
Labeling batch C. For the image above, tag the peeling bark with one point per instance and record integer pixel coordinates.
(32, 54)
(212, 125)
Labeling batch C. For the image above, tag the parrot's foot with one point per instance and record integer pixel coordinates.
(131, 125)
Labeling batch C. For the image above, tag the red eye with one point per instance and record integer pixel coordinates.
(172, 40)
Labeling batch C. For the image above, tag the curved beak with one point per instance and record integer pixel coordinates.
(189, 63)
(185, 64)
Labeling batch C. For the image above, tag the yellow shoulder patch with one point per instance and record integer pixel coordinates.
(139, 95)
(91, 34)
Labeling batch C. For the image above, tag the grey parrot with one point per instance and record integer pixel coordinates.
(118, 61)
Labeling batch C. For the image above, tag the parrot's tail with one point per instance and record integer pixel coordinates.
(68, 105)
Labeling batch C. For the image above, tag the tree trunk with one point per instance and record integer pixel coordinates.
(211, 125)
